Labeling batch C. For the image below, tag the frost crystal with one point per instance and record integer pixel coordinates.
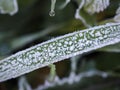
(92, 6)
(59, 49)
(73, 78)
(77, 13)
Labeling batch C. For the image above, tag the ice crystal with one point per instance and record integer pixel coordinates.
(91, 7)
(95, 6)
(78, 16)
(59, 49)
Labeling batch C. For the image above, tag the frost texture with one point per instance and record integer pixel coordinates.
(96, 6)
(91, 6)
(73, 78)
(117, 16)
(78, 16)
(59, 49)
(8, 6)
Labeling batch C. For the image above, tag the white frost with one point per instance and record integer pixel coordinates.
(91, 6)
(58, 49)
(73, 78)
(96, 6)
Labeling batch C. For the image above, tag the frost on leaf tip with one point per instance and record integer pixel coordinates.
(91, 7)
(117, 16)
(8, 7)
(95, 6)
(52, 11)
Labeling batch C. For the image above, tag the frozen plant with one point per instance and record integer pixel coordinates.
(62, 47)
(58, 49)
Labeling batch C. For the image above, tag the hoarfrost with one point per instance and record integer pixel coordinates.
(96, 6)
(78, 16)
(73, 78)
(91, 6)
(59, 49)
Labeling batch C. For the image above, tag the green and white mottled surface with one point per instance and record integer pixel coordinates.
(58, 49)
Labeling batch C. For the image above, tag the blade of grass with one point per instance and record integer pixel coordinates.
(58, 49)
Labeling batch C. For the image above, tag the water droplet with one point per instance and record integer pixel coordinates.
(52, 13)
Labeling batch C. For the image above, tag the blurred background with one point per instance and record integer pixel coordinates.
(32, 25)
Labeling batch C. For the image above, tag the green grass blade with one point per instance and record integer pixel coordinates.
(58, 49)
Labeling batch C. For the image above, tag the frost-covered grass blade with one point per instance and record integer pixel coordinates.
(59, 49)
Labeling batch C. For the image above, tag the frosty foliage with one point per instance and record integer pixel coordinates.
(73, 78)
(117, 16)
(91, 6)
(78, 16)
(59, 49)
(52, 10)
(8, 7)
(95, 6)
